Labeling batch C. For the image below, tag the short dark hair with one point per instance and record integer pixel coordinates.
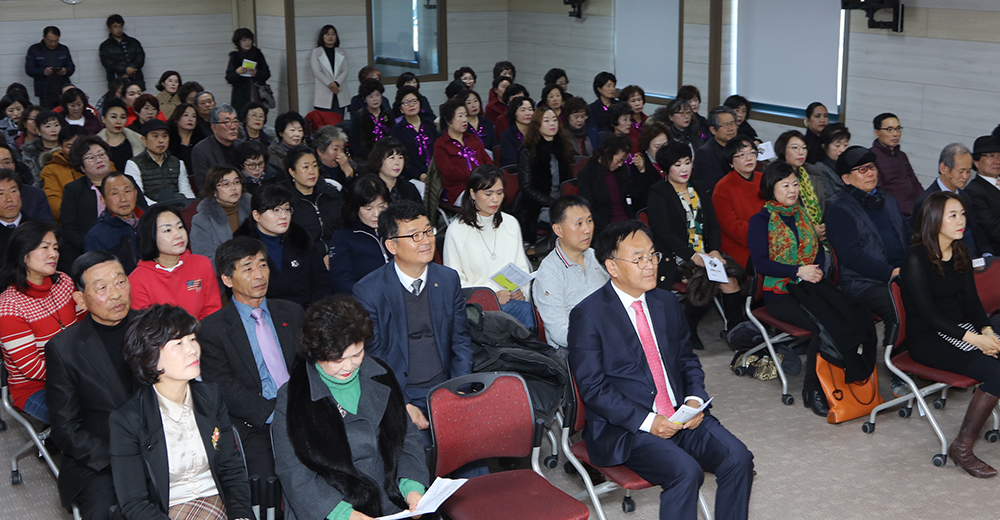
(398, 211)
(383, 149)
(366, 71)
(455, 87)
(28, 109)
(250, 106)
(464, 96)
(214, 175)
(575, 104)
(781, 143)
(461, 71)
(84, 262)
(834, 132)
(295, 153)
(370, 85)
(269, 196)
(553, 75)
(514, 89)
(249, 150)
(713, 115)
(773, 174)
(113, 19)
(651, 130)
(331, 325)
(165, 76)
(611, 146)
(448, 109)
(402, 92)
(512, 108)
(606, 242)
(322, 32)
(361, 193)
(25, 239)
(482, 177)
(149, 332)
(146, 230)
(559, 207)
(9, 99)
(186, 89)
(736, 101)
(689, 92)
(117, 103)
(549, 87)
(734, 146)
(80, 148)
(812, 108)
(114, 175)
(143, 100)
(45, 116)
(617, 110)
(627, 92)
(286, 118)
(670, 153)
(241, 33)
(52, 29)
(877, 122)
(501, 66)
(677, 105)
(500, 79)
(68, 132)
(601, 79)
(71, 95)
(235, 249)
(405, 77)
(7, 174)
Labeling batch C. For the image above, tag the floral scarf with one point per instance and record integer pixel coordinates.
(782, 245)
(691, 210)
(809, 199)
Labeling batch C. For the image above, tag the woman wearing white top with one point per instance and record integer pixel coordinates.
(329, 66)
(484, 239)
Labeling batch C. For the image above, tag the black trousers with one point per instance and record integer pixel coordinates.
(879, 301)
(258, 453)
(786, 308)
(97, 497)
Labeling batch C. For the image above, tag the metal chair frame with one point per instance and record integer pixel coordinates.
(769, 341)
(37, 438)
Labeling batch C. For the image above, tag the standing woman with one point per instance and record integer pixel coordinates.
(168, 85)
(173, 452)
(416, 133)
(357, 249)
(484, 239)
(606, 184)
(387, 160)
(223, 207)
(478, 124)
(944, 313)
(817, 117)
(520, 111)
(317, 204)
(790, 147)
(457, 153)
(123, 143)
(245, 80)
(330, 67)
(184, 134)
(543, 164)
(36, 305)
(370, 123)
(168, 273)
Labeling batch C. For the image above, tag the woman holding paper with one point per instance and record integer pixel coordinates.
(329, 68)
(246, 70)
(342, 416)
(484, 240)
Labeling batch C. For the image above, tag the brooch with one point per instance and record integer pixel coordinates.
(343, 413)
(295, 263)
(215, 439)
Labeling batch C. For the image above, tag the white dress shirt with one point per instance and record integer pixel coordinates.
(407, 281)
(190, 474)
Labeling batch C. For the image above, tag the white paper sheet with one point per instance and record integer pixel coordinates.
(440, 490)
(765, 152)
(685, 413)
(512, 277)
(248, 64)
(716, 271)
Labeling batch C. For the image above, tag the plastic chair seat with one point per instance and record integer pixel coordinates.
(904, 362)
(620, 475)
(680, 287)
(520, 493)
(761, 314)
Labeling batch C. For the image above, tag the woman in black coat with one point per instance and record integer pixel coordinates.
(245, 86)
(605, 182)
(358, 250)
(544, 140)
(150, 442)
(317, 204)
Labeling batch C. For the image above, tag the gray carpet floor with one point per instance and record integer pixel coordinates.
(806, 468)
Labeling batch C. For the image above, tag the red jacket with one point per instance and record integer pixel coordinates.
(735, 200)
(454, 168)
(494, 109)
(191, 285)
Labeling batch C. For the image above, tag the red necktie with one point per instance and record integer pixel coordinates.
(663, 405)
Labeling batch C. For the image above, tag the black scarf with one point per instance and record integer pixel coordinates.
(318, 436)
(873, 200)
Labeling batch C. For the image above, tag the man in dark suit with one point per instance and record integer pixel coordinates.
(710, 166)
(984, 190)
(10, 209)
(417, 309)
(219, 148)
(633, 367)
(88, 379)
(240, 346)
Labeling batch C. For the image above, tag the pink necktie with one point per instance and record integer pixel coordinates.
(269, 348)
(663, 406)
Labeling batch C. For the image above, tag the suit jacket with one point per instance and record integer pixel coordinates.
(974, 237)
(986, 207)
(668, 222)
(81, 391)
(382, 294)
(140, 466)
(611, 373)
(227, 360)
(5, 234)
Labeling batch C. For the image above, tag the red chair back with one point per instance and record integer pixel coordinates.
(988, 287)
(438, 259)
(897, 305)
(538, 322)
(569, 187)
(579, 166)
(511, 185)
(496, 421)
(642, 216)
(496, 154)
(484, 296)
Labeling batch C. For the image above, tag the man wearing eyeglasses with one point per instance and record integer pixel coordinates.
(895, 175)
(631, 358)
(984, 190)
(219, 148)
(710, 164)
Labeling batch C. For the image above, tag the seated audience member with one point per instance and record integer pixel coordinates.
(130, 93)
(252, 160)
(188, 92)
(619, 117)
(480, 221)
(184, 135)
(114, 91)
(604, 89)
(317, 204)
(520, 111)
(253, 124)
(415, 133)
(223, 206)
(219, 147)
(867, 231)
(679, 118)
(168, 273)
(158, 174)
(290, 129)
(58, 173)
(33, 201)
(27, 130)
(115, 229)
(467, 76)
(737, 197)
(417, 310)
(636, 99)
(543, 164)
(817, 119)
(584, 137)
(37, 305)
(478, 124)
(954, 169)
(87, 380)
(643, 331)
(146, 108)
(692, 95)
(255, 328)
(48, 125)
(11, 216)
(371, 122)
(296, 262)
(456, 153)
(606, 184)
(741, 106)
(557, 76)
(710, 164)
(81, 202)
(552, 97)
(683, 224)
(895, 174)
(510, 95)
(943, 311)
(123, 142)
(11, 110)
(570, 272)
(317, 449)
(357, 249)
(495, 106)
(358, 101)
(334, 163)
(834, 140)
(645, 171)
(165, 358)
(983, 190)
(168, 86)
(503, 69)
(790, 147)
(74, 111)
(409, 79)
(387, 161)
(204, 102)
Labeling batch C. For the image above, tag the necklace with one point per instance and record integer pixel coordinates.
(49, 312)
(493, 253)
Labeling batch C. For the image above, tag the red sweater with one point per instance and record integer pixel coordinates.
(454, 168)
(28, 321)
(191, 285)
(736, 200)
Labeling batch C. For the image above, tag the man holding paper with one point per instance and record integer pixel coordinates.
(633, 367)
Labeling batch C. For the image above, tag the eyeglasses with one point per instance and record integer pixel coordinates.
(95, 157)
(255, 116)
(991, 156)
(257, 165)
(229, 122)
(281, 211)
(798, 148)
(227, 184)
(7, 163)
(682, 113)
(744, 155)
(865, 169)
(644, 260)
(410, 103)
(419, 235)
(727, 125)
(892, 129)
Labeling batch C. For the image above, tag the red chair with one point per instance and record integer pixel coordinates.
(496, 154)
(642, 216)
(538, 322)
(496, 421)
(512, 184)
(569, 187)
(579, 166)
(484, 296)
(988, 287)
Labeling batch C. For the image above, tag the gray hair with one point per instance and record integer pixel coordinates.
(325, 136)
(713, 115)
(949, 152)
(218, 110)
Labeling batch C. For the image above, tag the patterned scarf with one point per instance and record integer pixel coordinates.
(691, 210)
(380, 130)
(468, 153)
(478, 130)
(782, 245)
(423, 142)
(809, 199)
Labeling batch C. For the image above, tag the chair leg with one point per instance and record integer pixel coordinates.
(583, 474)
(704, 506)
(786, 398)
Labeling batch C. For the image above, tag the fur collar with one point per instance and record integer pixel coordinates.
(297, 237)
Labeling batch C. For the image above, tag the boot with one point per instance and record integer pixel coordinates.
(960, 451)
(732, 308)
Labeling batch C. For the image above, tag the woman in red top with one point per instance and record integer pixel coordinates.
(736, 197)
(457, 153)
(636, 99)
(496, 107)
(37, 304)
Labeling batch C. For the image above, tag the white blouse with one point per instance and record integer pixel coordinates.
(477, 254)
(190, 474)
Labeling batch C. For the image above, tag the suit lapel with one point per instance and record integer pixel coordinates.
(440, 310)
(619, 316)
(237, 332)
(392, 291)
(154, 445)
(208, 427)
(98, 358)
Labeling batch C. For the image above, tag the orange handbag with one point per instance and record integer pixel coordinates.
(847, 400)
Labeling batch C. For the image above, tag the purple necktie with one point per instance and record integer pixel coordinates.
(269, 348)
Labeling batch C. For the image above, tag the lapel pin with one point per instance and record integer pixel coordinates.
(284, 324)
(435, 285)
(215, 439)
(295, 263)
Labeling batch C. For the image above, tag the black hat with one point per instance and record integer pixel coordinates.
(153, 124)
(853, 157)
(986, 144)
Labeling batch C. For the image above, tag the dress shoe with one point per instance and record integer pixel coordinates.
(815, 400)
